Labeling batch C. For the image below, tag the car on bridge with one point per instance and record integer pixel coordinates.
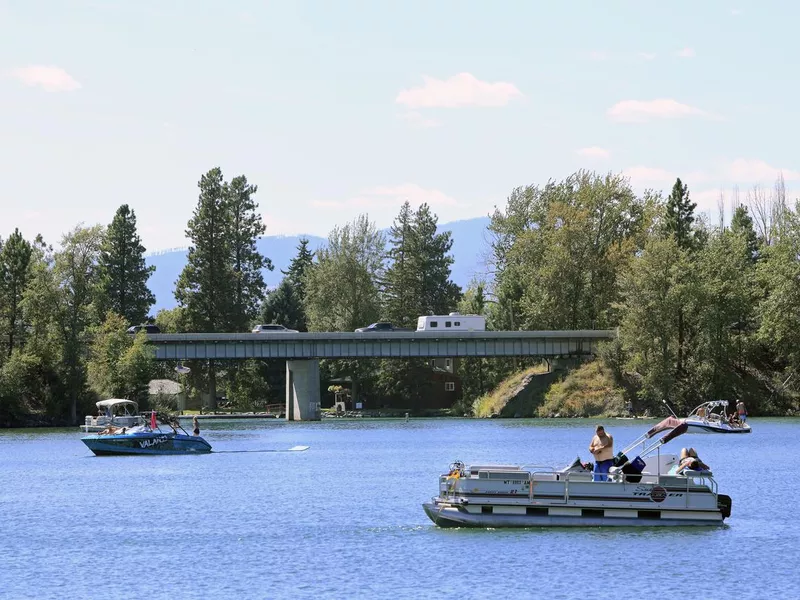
(147, 329)
(380, 326)
(273, 328)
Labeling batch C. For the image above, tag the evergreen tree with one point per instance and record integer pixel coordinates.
(431, 262)
(401, 281)
(299, 266)
(680, 215)
(246, 226)
(284, 306)
(15, 273)
(206, 286)
(742, 224)
(123, 272)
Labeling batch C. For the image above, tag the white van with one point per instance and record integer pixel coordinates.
(452, 322)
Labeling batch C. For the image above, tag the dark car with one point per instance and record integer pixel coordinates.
(147, 329)
(380, 326)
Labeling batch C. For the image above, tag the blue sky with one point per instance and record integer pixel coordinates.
(338, 107)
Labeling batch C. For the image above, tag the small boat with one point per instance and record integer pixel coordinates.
(145, 438)
(706, 419)
(114, 411)
(646, 491)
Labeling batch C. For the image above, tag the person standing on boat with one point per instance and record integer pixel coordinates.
(602, 447)
(741, 409)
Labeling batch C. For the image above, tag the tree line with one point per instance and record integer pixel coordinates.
(704, 310)
(64, 312)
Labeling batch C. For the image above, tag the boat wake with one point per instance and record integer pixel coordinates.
(292, 449)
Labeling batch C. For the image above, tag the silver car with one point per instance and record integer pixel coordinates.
(273, 328)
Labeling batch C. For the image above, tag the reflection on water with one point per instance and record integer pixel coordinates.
(344, 518)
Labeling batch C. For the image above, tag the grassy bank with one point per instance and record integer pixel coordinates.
(516, 395)
(587, 391)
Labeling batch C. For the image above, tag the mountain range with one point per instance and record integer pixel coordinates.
(468, 248)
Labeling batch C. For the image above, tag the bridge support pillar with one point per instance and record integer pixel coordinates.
(302, 390)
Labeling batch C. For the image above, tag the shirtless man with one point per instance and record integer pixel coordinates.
(602, 447)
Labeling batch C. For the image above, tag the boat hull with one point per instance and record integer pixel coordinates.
(699, 427)
(146, 443)
(444, 515)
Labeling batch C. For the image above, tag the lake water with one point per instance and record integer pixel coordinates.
(344, 518)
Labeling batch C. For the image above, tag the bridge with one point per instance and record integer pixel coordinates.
(302, 351)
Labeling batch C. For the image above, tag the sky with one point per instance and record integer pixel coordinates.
(333, 108)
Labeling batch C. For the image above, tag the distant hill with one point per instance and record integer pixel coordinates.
(468, 246)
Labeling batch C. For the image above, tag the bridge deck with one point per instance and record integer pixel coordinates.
(399, 344)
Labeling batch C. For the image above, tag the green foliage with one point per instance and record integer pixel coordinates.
(742, 224)
(561, 249)
(341, 288)
(246, 227)
(122, 272)
(15, 273)
(205, 286)
(680, 216)
(588, 391)
(249, 390)
(284, 306)
(120, 365)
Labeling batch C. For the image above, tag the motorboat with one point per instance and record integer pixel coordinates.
(712, 417)
(645, 491)
(114, 411)
(145, 438)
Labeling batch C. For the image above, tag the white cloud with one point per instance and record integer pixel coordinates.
(645, 110)
(686, 53)
(757, 171)
(419, 121)
(648, 176)
(50, 79)
(598, 55)
(646, 55)
(594, 152)
(391, 196)
(735, 12)
(459, 90)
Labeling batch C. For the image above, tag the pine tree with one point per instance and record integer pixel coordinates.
(246, 226)
(123, 272)
(15, 273)
(284, 306)
(206, 285)
(400, 284)
(742, 224)
(680, 216)
(298, 267)
(431, 261)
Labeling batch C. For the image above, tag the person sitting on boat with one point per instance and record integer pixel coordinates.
(690, 462)
(602, 447)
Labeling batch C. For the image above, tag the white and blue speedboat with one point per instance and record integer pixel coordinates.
(145, 438)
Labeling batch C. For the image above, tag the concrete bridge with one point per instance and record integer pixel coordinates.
(302, 351)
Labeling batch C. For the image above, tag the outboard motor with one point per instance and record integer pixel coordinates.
(724, 504)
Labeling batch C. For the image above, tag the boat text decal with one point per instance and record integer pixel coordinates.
(153, 441)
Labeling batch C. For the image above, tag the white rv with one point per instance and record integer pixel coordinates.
(452, 322)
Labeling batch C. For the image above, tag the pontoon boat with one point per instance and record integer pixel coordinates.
(645, 491)
(117, 412)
